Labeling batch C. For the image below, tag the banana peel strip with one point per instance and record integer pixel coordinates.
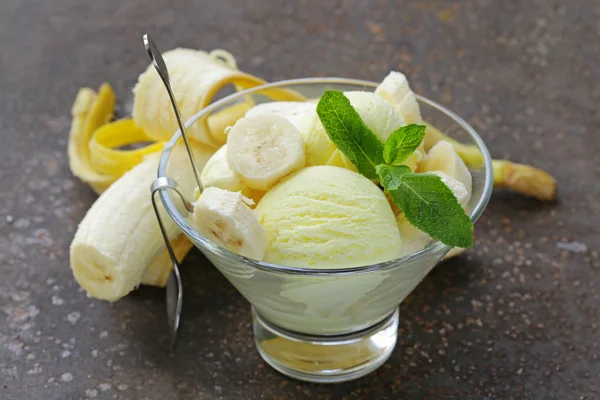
(107, 158)
(521, 178)
(524, 179)
(89, 112)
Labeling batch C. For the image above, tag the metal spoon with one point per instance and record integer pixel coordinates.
(163, 72)
(174, 285)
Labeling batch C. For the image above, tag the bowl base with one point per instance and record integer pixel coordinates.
(325, 359)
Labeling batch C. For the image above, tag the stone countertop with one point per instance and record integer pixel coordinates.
(516, 317)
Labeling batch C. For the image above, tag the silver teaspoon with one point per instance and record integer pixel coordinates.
(174, 284)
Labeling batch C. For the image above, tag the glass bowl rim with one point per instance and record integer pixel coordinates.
(400, 262)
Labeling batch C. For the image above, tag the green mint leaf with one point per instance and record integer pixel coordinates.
(390, 176)
(428, 204)
(349, 133)
(402, 143)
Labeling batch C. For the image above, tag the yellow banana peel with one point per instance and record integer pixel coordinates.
(521, 178)
(89, 112)
(524, 179)
(105, 155)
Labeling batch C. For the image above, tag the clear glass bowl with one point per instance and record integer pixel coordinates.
(336, 324)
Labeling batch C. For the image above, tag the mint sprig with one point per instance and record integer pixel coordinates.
(349, 133)
(402, 143)
(426, 201)
(428, 204)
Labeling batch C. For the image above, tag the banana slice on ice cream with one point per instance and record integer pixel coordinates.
(413, 239)
(226, 218)
(395, 89)
(264, 148)
(218, 173)
(458, 188)
(442, 157)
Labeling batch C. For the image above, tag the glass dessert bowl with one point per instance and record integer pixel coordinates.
(328, 324)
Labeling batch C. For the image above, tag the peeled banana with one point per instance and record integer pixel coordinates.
(196, 77)
(444, 161)
(119, 238)
(118, 244)
(413, 239)
(157, 273)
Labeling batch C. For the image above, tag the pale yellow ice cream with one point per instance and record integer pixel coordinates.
(328, 217)
(376, 113)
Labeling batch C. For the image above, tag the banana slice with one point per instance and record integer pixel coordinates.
(296, 112)
(396, 90)
(264, 148)
(218, 173)
(442, 157)
(458, 188)
(226, 218)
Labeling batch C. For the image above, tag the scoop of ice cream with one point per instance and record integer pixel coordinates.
(328, 217)
(378, 114)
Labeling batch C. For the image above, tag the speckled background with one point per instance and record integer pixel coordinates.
(516, 317)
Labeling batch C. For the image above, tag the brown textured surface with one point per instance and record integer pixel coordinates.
(516, 317)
